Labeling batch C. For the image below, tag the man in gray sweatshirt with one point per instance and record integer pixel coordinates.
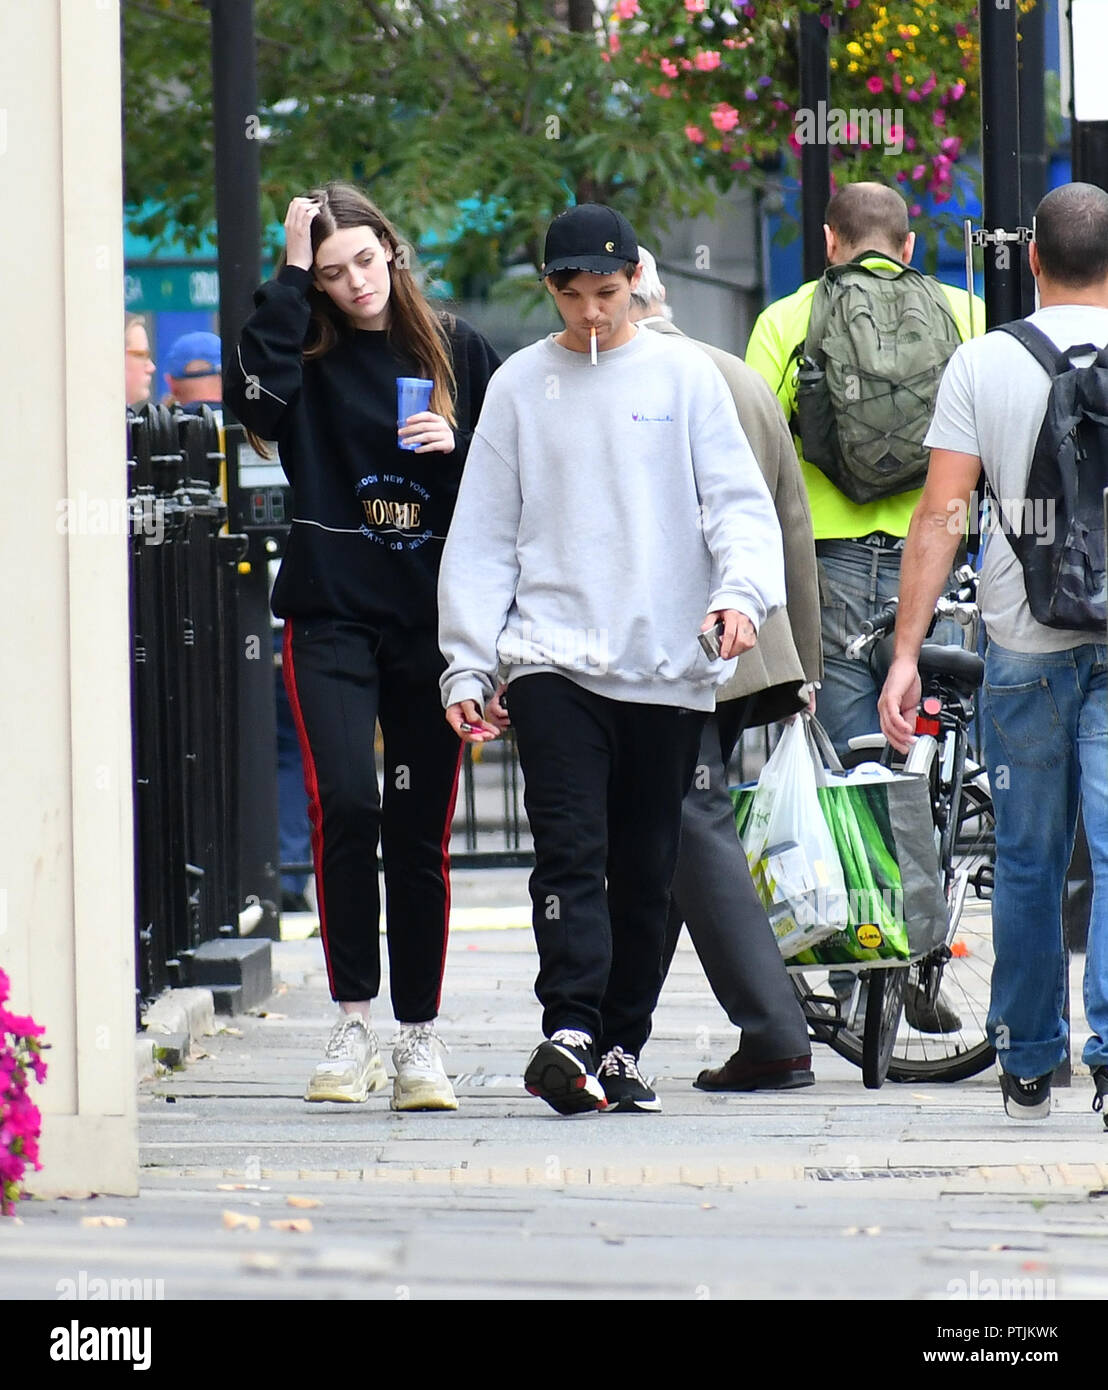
(610, 510)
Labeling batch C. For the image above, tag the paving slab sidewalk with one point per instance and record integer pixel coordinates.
(911, 1191)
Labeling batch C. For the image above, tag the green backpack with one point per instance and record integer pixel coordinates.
(877, 344)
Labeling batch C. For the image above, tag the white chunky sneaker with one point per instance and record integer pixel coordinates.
(421, 1081)
(351, 1065)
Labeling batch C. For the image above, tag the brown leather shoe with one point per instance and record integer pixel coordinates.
(740, 1074)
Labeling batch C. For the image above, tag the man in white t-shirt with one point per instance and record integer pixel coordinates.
(1045, 697)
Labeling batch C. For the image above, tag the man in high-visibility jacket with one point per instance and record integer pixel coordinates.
(858, 545)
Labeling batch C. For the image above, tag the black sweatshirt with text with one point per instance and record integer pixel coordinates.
(369, 518)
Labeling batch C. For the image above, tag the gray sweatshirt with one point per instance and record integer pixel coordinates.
(602, 513)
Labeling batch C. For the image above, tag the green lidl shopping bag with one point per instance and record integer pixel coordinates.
(884, 836)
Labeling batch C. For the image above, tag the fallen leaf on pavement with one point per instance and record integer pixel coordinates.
(304, 1202)
(234, 1219)
(300, 1224)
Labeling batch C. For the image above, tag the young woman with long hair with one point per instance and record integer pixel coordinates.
(316, 371)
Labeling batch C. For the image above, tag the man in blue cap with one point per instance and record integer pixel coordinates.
(194, 371)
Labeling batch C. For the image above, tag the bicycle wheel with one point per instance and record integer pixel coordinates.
(947, 989)
(883, 1009)
(942, 1036)
(834, 1018)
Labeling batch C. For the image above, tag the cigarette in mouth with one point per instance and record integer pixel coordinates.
(592, 344)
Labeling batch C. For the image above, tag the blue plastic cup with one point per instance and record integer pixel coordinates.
(413, 394)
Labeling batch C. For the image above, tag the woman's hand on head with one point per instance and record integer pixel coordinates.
(429, 432)
(298, 233)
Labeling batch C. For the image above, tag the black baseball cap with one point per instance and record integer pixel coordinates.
(589, 237)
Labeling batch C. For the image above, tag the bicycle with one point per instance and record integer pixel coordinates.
(871, 1027)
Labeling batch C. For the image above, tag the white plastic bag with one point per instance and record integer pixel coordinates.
(790, 849)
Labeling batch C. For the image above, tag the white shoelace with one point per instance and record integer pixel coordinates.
(617, 1058)
(415, 1045)
(338, 1044)
(572, 1037)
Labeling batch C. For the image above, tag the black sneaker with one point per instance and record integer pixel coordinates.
(1025, 1098)
(624, 1085)
(1100, 1081)
(562, 1072)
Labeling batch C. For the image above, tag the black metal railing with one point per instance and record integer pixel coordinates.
(183, 605)
(490, 828)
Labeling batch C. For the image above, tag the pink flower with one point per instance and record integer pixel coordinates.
(957, 91)
(928, 87)
(724, 117)
(779, 105)
(626, 9)
(696, 6)
(961, 30)
(896, 83)
(910, 142)
(895, 134)
(875, 84)
(707, 61)
(938, 116)
(913, 94)
(605, 57)
(668, 67)
(693, 132)
(685, 65)
(613, 42)
(741, 165)
(919, 171)
(914, 210)
(952, 146)
(22, 1026)
(5, 986)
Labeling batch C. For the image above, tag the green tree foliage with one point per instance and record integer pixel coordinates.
(472, 122)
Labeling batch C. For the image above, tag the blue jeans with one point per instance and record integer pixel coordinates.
(1046, 746)
(855, 581)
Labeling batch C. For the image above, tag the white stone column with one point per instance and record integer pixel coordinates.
(66, 845)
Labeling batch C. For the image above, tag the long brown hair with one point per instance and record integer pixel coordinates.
(414, 328)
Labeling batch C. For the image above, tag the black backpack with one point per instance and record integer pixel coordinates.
(1064, 567)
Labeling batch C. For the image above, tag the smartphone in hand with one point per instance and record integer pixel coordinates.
(710, 640)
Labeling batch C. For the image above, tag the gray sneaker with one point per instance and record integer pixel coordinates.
(351, 1066)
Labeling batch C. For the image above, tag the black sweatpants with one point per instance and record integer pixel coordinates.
(341, 677)
(604, 781)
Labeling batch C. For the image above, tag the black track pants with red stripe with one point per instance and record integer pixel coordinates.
(341, 676)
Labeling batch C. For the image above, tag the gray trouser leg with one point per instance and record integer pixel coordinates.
(713, 894)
